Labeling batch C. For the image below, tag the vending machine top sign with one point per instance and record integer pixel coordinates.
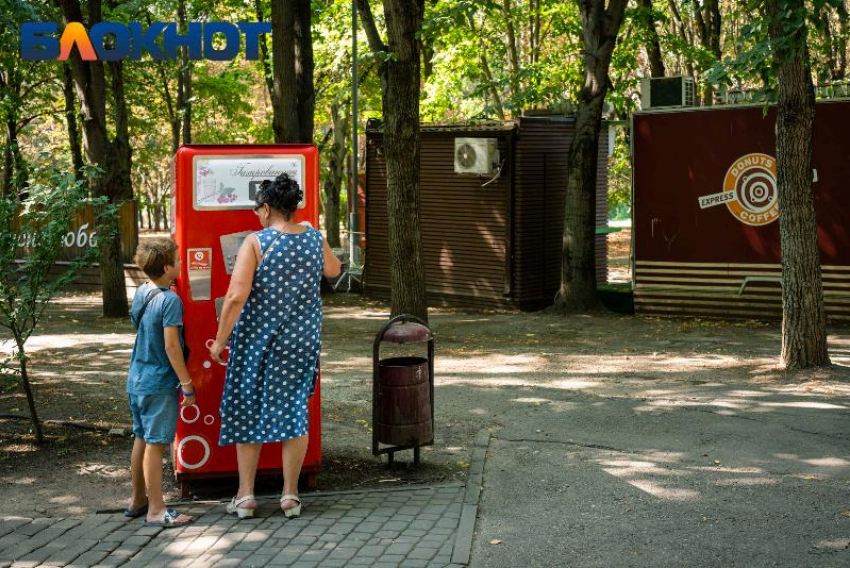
(222, 182)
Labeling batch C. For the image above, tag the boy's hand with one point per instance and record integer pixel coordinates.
(188, 398)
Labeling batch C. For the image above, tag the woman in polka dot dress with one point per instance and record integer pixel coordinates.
(274, 311)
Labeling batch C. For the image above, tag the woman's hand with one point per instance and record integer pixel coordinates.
(215, 352)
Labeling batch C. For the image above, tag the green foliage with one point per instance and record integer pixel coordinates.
(758, 52)
(36, 229)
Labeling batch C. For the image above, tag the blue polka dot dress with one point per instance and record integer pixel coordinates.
(274, 349)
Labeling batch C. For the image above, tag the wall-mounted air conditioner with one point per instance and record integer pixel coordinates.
(659, 92)
(479, 156)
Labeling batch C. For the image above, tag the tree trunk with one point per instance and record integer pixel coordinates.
(71, 121)
(336, 168)
(292, 56)
(402, 145)
(653, 47)
(264, 52)
(804, 341)
(113, 180)
(185, 77)
(25, 381)
(578, 267)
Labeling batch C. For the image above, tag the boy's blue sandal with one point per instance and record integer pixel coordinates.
(168, 520)
(143, 510)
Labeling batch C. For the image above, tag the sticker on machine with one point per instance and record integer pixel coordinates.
(232, 182)
(749, 190)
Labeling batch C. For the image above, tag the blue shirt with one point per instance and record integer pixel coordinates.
(150, 370)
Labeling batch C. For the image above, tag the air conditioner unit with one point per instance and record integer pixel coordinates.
(660, 92)
(478, 156)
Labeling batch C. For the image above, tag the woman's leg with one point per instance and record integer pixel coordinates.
(294, 451)
(247, 456)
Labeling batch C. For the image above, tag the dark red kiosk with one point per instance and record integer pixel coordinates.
(706, 210)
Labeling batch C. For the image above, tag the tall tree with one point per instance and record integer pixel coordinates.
(600, 26)
(293, 98)
(111, 153)
(646, 20)
(400, 78)
(184, 77)
(803, 314)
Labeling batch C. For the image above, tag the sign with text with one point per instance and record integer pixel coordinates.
(229, 182)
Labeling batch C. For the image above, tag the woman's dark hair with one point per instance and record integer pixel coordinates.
(283, 194)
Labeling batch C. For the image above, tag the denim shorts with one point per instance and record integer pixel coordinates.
(154, 417)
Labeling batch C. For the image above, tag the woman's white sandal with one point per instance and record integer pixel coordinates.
(292, 511)
(241, 512)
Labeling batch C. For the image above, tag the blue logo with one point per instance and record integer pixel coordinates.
(113, 41)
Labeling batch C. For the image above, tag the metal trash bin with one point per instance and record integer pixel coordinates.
(403, 391)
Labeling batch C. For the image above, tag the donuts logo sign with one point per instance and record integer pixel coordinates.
(749, 190)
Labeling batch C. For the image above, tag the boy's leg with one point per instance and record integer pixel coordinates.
(137, 476)
(159, 416)
(153, 479)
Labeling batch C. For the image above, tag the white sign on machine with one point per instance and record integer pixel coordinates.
(232, 182)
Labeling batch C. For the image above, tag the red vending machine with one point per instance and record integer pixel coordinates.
(211, 215)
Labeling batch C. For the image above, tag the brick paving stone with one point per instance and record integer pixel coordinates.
(331, 563)
(341, 528)
(67, 553)
(371, 551)
(421, 525)
(376, 528)
(306, 540)
(256, 560)
(368, 527)
(314, 556)
(422, 553)
(399, 548)
(90, 558)
(35, 526)
(285, 558)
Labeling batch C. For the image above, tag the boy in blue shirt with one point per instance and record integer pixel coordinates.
(157, 370)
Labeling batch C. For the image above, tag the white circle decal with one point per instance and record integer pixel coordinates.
(203, 460)
(207, 364)
(209, 419)
(183, 415)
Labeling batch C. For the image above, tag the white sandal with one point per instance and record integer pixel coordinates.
(241, 512)
(292, 511)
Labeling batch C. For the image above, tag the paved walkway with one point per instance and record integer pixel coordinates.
(416, 527)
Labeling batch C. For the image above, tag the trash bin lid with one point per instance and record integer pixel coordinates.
(408, 332)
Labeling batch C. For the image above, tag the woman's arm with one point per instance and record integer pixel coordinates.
(237, 294)
(332, 265)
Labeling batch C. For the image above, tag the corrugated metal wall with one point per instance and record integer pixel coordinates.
(542, 152)
(470, 232)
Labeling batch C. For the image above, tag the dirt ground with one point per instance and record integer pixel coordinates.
(487, 364)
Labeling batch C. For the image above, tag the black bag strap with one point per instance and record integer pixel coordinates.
(151, 295)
